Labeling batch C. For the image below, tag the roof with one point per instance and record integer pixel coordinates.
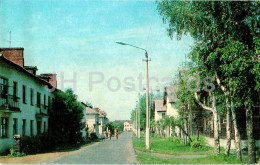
(91, 111)
(129, 121)
(18, 67)
(171, 93)
(158, 105)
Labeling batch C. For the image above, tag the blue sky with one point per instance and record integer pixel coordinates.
(67, 36)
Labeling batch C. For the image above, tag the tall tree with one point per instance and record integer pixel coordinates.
(226, 35)
(65, 121)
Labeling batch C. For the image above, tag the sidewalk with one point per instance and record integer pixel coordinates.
(38, 158)
(222, 142)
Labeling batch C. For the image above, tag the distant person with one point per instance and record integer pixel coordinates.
(109, 134)
(116, 134)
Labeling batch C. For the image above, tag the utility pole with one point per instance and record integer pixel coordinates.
(147, 137)
(138, 127)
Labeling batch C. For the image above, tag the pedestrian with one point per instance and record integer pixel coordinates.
(104, 134)
(116, 134)
(109, 134)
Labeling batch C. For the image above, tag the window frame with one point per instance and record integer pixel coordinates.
(4, 127)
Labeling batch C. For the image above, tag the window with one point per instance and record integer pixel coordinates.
(3, 87)
(38, 99)
(49, 100)
(15, 91)
(4, 127)
(44, 127)
(24, 127)
(39, 127)
(31, 128)
(24, 94)
(32, 96)
(163, 115)
(15, 126)
(44, 101)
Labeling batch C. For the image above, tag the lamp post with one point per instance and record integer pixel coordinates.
(147, 137)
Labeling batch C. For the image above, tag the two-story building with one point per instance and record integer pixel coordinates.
(24, 97)
(128, 125)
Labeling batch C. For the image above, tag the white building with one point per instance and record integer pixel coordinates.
(92, 120)
(159, 109)
(24, 98)
(102, 119)
(84, 130)
(128, 125)
(170, 98)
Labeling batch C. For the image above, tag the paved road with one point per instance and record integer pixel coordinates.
(107, 152)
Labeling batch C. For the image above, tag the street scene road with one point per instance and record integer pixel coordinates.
(107, 152)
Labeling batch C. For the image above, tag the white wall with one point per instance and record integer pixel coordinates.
(28, 111)
(91, 120)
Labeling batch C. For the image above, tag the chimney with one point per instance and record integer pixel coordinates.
(13, 54)
(31, 69)
(52, 78)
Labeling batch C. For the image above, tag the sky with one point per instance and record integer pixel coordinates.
(76, 39)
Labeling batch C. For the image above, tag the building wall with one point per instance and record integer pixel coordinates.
(127, 126)
(28, 111)
(171, 110)
(158, 115)
(91, 120)
(84, 133)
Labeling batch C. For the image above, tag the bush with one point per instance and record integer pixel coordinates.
(37, 144)
(200, 144)
(13, 153)
(175, 140)
(93, 136)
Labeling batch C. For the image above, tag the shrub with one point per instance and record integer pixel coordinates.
(93, 136)
(13, 153)
(175, 140)
(37, 144)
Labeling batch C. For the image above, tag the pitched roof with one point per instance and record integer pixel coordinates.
(18, 67)
(91, 111)
(158, 105)
(129, 121)
(171, 93)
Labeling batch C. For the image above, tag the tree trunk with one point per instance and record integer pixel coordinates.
(216, 127)
(237, 133)
(228, 125)
(198, 132)
(216, 134)
(250, 136)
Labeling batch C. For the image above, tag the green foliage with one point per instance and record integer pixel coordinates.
(176, 140)
(38, 144)
(13, 153)
(93, 136)
(219, 159)
(66, 114)
(119, 126)
(142, 105)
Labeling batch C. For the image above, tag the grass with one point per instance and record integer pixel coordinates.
(175, 147)
(220, 159)
(165, 147)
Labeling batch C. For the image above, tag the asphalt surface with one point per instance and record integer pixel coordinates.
(107, 152)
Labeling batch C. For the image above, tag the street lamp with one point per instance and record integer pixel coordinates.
(147, 137)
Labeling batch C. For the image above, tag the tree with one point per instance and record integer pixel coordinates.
(66, 114)
(227, 40)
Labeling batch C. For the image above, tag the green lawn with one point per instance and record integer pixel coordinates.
(169, 147)
(221, 159)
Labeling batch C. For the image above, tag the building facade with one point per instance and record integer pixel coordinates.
(92, 120)
(128, 126)
(24, 98)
